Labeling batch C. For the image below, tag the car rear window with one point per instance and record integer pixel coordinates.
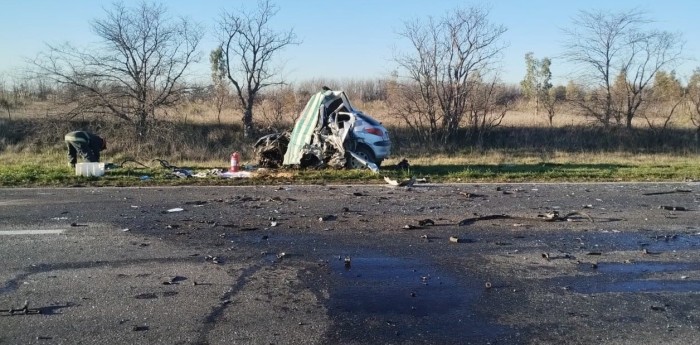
(369, 120)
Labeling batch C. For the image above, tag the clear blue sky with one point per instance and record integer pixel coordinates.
(345, 39)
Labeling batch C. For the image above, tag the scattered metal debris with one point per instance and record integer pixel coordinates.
(472, 195)
(469, 221)
(555, 217)
(404, 183)
(212, 259)
(425, 222)
(677, 190)
(165, 164)
(673, 208)
(25, 310)
(327, 218)
(173, 280)
(270, 149)
(182, 173)
(547, 217)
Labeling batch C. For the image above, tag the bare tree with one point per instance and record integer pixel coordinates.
(249, 46)
(4, 98)
(435, 83)
(137, 68)
(487, 106)
(552, 100)
(607, 45)
(667, 95)
(7, 105)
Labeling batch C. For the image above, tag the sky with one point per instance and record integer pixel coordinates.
(350, 39)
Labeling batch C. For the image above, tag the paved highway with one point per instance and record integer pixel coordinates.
(529, 264)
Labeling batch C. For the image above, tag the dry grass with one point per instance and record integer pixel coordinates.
(500, 157)
(189, 135)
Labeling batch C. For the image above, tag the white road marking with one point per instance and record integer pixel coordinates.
(32, 232)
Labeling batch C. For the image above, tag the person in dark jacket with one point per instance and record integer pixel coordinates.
(86, 144)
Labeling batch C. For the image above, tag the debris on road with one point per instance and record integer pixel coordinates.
(327, 218)
(176, 209)
(472, 195)
(425, 222)
(404, 183)
(182, 173)
(25, 310)
(677, 190)
(469, 221)
(555, 217)
(212, 259)
(173, 280)
(673, 208)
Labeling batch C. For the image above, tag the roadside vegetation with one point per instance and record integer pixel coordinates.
(626, 117)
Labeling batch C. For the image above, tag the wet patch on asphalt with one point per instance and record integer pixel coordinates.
(385, 284)
(634, 277)
(382, 299)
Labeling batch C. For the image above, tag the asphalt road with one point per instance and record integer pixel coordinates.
(617, 264)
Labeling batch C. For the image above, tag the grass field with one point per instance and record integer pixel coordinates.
(49, 170)
(525, 148)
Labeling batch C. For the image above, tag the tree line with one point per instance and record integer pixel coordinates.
(445, 86)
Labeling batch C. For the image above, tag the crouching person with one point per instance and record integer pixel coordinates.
(86, 144)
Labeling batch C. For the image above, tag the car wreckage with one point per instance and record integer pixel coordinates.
(328, 133)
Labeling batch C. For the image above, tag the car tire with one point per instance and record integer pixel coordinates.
(366, 154)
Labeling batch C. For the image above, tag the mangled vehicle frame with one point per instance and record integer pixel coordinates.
(328, 133)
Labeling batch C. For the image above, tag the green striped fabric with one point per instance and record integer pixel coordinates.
(304, 129)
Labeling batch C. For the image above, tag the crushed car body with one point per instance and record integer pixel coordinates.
(328, 133)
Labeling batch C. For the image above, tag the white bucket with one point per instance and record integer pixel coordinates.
(89, 169)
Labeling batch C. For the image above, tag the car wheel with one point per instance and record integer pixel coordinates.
(364, 153)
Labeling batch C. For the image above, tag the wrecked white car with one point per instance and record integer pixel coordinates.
(328, 133)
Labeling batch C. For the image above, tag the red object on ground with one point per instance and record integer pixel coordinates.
(235, 162)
